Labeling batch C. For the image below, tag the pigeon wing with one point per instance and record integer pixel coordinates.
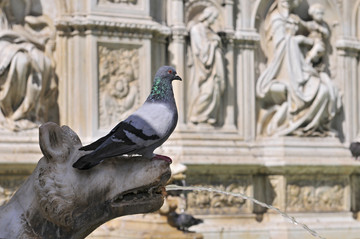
(98, 142)
(127, 138)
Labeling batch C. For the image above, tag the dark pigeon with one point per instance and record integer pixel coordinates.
(143, 131)
(355, 149)
(182, 221)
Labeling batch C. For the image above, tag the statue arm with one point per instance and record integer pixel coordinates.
(211, 54)
(38, 42)
(200, 45)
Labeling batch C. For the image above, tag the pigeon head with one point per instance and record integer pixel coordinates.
(167, 73)
(162, 88)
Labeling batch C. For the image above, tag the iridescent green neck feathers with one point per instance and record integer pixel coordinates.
(161, 90)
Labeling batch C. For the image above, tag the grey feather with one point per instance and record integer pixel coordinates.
(182, 221)
(355, 149)
(143, 131)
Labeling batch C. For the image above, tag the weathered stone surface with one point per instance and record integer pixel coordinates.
(59, 201)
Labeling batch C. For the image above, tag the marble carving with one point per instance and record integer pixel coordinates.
(296, 92)
(118, 84)
(59, 201)
(208, 74)
(28, 87)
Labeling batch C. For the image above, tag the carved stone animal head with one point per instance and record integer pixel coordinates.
(59, 201)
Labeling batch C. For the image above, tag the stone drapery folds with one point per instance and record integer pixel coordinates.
(28, 84)
(296, 92)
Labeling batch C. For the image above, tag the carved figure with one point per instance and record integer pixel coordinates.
(28, 88)
(319, 32)
(208, 80)
(295, 98)
(58, 201)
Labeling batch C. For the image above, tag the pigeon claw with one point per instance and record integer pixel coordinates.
(163, 157)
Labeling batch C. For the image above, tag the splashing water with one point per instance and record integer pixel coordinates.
(241, 195)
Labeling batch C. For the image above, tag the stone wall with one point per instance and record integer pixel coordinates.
(268, 105)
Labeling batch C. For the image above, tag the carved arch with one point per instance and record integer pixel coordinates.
(332, 15)
(194, 8)
(262, 6)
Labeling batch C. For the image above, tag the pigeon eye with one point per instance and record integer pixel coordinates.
(170, 71)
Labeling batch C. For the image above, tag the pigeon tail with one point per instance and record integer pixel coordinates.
(86, 162)
(88, 147)
(198, 221)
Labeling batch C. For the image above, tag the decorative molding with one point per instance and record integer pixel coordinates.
(311, 194)
(134, 2)
(352, 46)
(247, 38)
(87, 25)
(200, 201)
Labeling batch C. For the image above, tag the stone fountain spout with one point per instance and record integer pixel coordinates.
(59, 201)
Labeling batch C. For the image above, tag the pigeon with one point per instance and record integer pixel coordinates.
(355, 149)
(144, 130)
(182, 221)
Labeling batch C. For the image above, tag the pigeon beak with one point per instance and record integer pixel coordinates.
(177, 78)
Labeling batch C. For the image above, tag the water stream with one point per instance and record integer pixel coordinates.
(241, 195)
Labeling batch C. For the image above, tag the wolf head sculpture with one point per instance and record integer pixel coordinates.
(59, 201)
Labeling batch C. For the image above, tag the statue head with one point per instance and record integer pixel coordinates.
(288, 4)
(210, 14)
(316, 11)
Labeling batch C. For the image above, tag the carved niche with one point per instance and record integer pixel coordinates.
(295, 89)
(206, 68)
(118, 83)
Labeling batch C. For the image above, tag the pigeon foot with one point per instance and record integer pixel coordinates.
(162, 157)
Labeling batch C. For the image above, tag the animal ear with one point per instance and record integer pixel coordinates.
(51, 141)
(71, 136)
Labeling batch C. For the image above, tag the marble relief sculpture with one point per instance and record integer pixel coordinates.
(59, 201)
(28, 88)
(296, 96)
(319, 33)
(118, 84)
(208, 78)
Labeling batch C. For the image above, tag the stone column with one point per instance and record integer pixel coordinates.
(348, 75)
(230, 101)
(245, 74)
(177, 52)
(229, 16)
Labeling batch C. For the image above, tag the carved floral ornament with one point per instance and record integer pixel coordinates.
(319, 197)
(118, 83)
(212, 200)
